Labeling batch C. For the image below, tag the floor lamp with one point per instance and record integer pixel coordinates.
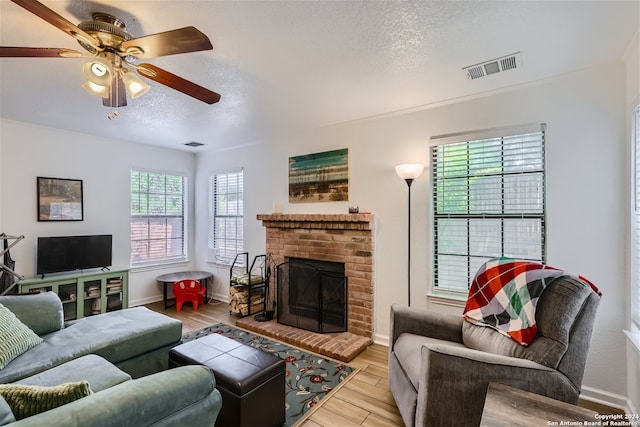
(409, 172)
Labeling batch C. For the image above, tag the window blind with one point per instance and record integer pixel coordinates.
(226, 213)
(157, 221)
(488, 200)
(635, 221)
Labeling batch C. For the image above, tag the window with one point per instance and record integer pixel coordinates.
(635, 222)
(226, 216)
(488, 201)
(157, 217)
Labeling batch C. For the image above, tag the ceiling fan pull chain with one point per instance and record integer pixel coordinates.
(113, 103)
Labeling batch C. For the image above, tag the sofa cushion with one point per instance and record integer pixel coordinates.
(42, 312)
(28, 400)
(185, 396)
(116, 336)
(97, 371)
(542, 350)
(6, 415)
(15, 337)
(491, 341)
(120, 335)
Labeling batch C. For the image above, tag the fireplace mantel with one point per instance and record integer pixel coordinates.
(360, 221)
(345, 238)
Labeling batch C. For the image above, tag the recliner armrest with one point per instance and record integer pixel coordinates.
(451, 374)
(424, 322)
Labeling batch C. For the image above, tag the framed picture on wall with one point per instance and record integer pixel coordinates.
(59, 199)
(319, 177)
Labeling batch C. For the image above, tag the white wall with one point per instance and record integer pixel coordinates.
(586, 143)
(28, 151)
(587, 206)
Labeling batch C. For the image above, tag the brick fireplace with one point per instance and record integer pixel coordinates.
(342, 238)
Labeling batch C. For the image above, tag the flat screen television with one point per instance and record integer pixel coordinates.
(69, 253)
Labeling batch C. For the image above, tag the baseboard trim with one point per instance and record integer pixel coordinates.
(381, 339)
(606, 398)
(143, 301)
(220, 297)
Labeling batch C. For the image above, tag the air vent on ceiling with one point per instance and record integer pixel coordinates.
(494, 66)
(194, 144)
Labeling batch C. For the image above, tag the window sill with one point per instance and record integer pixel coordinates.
(164, 265)
(448, 299)
(218, 264)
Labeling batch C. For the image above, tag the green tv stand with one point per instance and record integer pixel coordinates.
(84, 293)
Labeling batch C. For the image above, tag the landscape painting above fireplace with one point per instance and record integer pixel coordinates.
(319, 177)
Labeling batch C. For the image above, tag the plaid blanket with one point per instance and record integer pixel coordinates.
(504, 294)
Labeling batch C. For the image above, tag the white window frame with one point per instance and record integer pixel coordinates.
(224, 245)
(634, 288)
(164, 218)
(471, 236)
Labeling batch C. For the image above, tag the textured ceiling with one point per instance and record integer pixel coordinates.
(280, 64)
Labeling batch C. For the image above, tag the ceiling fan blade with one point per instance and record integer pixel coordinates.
(38, 52)
(58, 21)
(182, 40)
(118, 94)
(178, 83)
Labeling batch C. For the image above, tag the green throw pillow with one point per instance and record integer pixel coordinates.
(28, 400)
(15, 337)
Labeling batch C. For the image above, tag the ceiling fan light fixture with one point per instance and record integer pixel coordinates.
(134, 84)
(98, 71)
(100, 90)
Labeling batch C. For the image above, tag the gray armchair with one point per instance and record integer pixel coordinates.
(440, 365)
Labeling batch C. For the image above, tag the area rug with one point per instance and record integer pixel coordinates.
(309, 377)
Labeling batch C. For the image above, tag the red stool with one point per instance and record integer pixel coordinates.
(188, 290)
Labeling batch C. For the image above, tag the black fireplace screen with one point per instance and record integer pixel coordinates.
(312, 295)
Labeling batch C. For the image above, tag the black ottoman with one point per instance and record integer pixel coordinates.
(251, 381)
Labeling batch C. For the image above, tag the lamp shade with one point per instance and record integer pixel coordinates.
(410, 170)
(102, 91)
(98, 71)
(135, 86)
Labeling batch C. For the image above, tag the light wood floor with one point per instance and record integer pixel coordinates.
(364, 400)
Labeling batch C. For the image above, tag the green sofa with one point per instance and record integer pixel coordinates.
(123, 355)
(137, 340)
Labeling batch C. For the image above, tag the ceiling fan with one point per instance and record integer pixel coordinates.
(115, 54)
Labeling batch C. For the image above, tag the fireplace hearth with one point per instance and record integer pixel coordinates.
(312, 295)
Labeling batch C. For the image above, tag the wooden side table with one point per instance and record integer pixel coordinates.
(169, 279)
(506, 406)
